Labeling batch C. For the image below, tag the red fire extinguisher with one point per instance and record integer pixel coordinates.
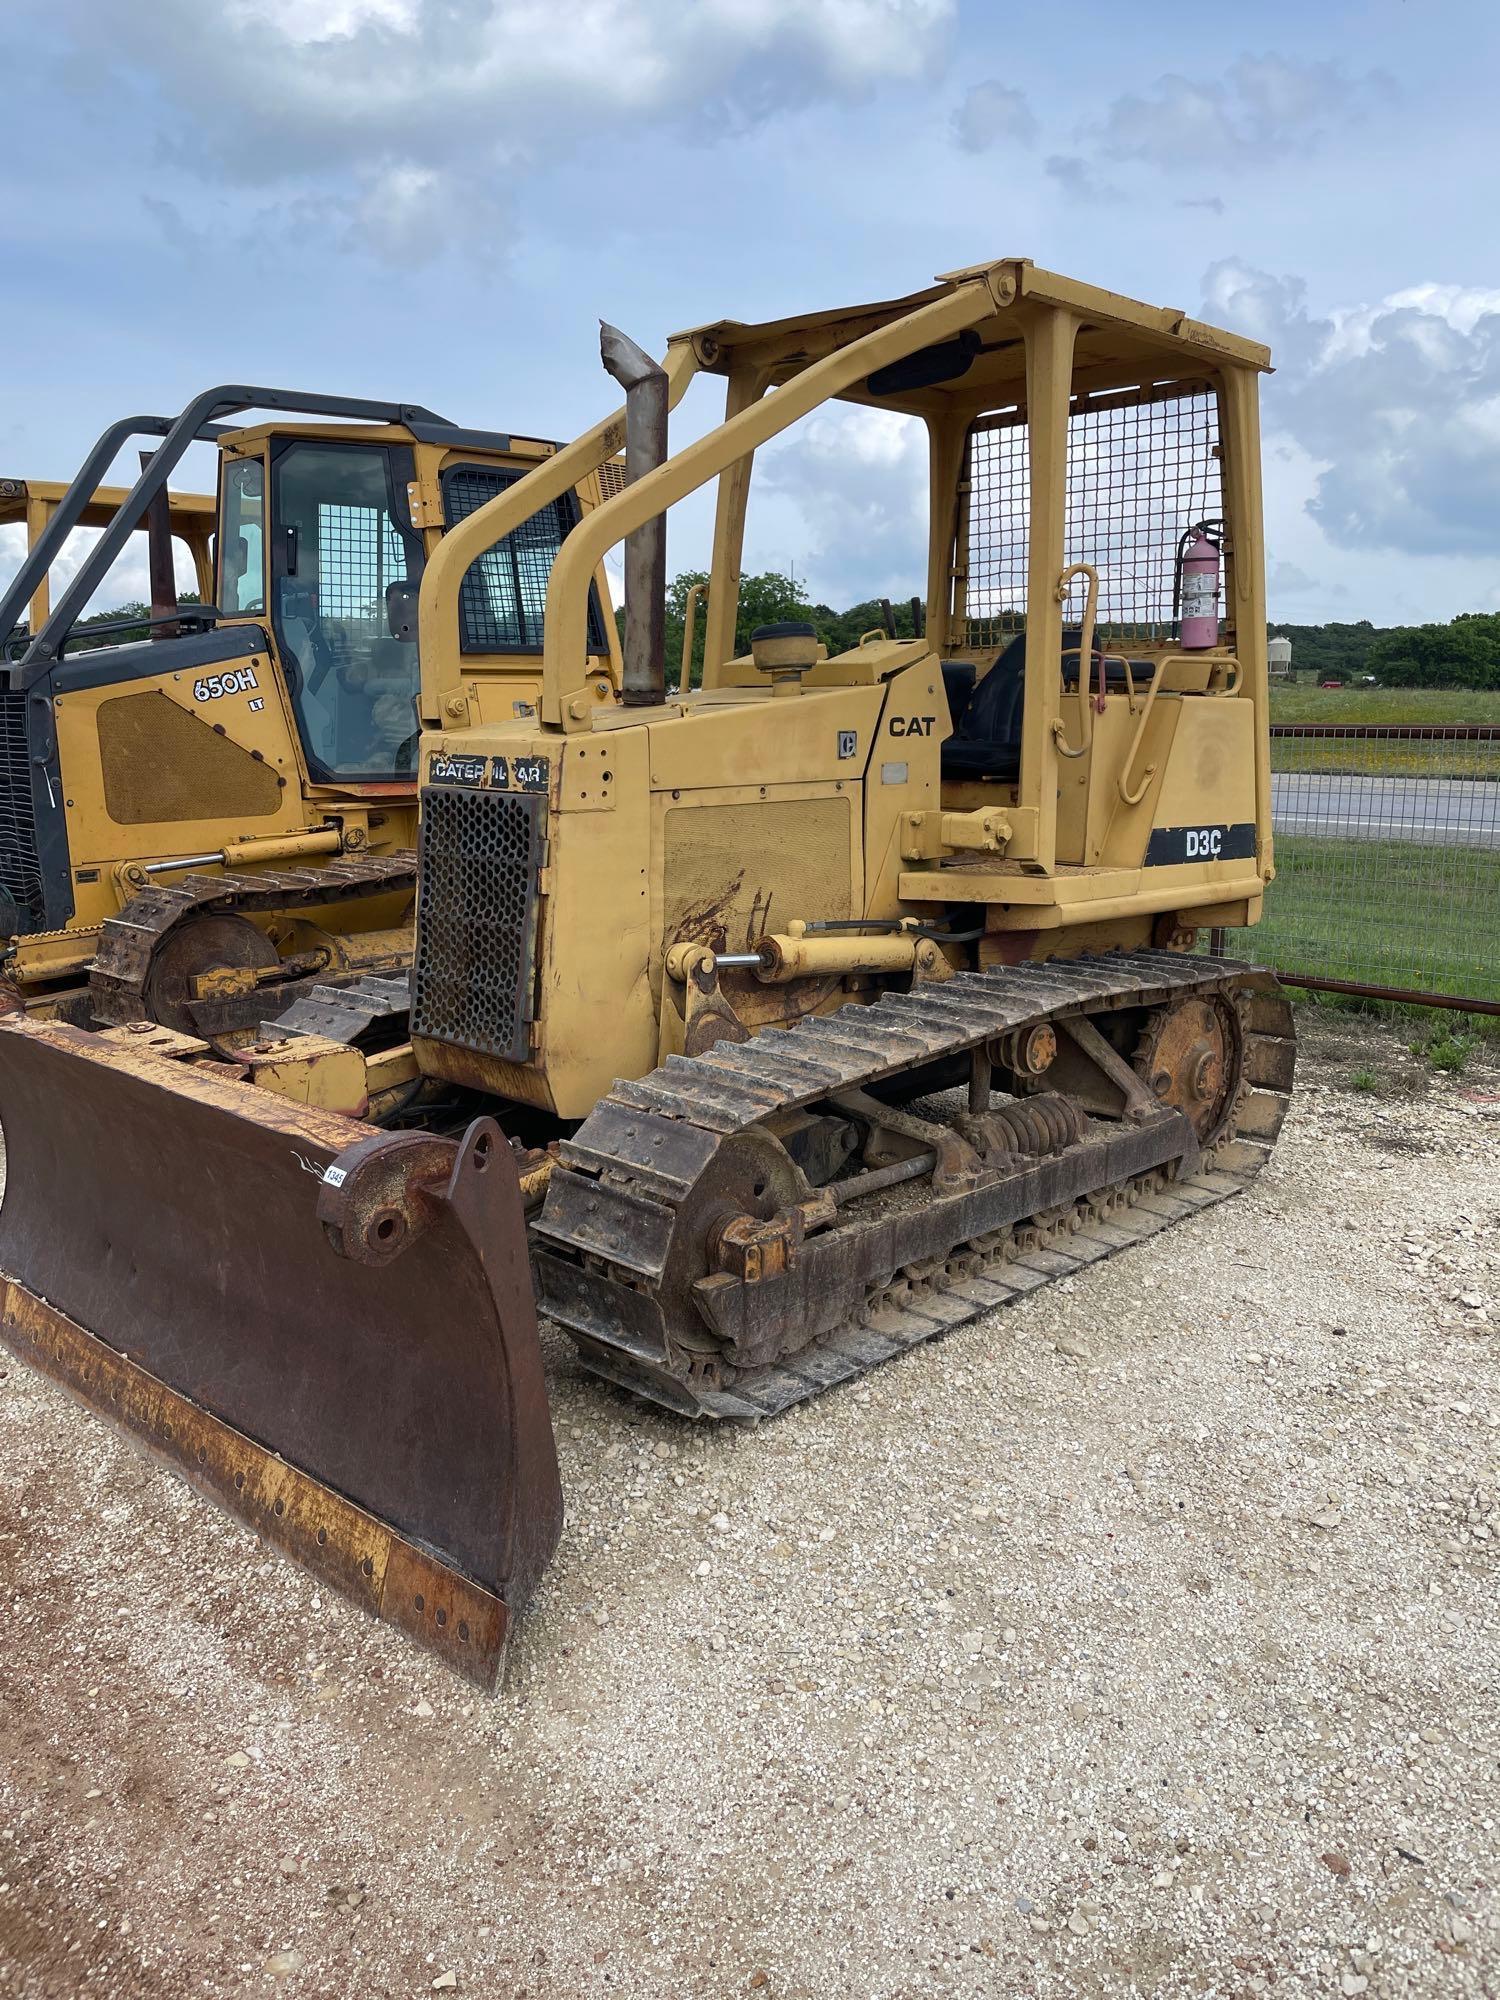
(1198, 556)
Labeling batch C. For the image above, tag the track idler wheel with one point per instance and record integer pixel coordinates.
(214, 942)
(751, 1180)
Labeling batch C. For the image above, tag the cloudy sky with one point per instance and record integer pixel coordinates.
(435, 200)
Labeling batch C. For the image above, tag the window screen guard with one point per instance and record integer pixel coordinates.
(1143, 466)
(504, 591)
(360, 551)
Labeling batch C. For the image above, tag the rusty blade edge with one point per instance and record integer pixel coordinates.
(339, 1543)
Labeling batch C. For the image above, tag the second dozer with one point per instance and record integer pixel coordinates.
(196, 827)
(799, 1016)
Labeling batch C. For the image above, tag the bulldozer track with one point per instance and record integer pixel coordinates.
(603, 1243)
(130, 940)
(345, 1013)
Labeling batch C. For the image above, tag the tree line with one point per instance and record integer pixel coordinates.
(1463, 653)
(769, 598)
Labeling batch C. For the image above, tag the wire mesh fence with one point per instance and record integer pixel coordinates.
(1387, 861)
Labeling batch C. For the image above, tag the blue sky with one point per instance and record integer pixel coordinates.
(435, 200)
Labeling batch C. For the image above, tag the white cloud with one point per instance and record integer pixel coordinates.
(408, 214)
(1260, 106)
(1077, 176)
(993, 114)
(848, 492)
(399, 113)
(1397, 403)
(301, 22)
(1194, 128)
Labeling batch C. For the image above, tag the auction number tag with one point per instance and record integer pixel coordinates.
(213, 687)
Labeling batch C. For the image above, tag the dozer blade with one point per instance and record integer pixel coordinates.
(337, 1342)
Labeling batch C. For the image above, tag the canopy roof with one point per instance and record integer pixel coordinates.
(1119, 341)
(101, 509)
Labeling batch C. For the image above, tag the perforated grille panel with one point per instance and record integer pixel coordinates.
(20, 875)
(1142, 468)
(480, 854)
(160, 763)
(612, 478)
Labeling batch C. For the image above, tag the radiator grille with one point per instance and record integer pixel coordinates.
(20, 872)
(480, 854)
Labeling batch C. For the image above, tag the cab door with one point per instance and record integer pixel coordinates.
(344, 560)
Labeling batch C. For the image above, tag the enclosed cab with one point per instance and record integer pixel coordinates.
(275, 723)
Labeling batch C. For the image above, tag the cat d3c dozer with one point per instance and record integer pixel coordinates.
(810, 1013)
(199, 827)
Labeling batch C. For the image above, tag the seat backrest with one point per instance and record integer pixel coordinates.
(958, 685)
(994, 712)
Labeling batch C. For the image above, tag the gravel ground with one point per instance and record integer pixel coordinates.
(1142, 1639)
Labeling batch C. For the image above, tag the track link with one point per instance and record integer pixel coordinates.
(876, 1284)
(131, 939)
(367, 1009)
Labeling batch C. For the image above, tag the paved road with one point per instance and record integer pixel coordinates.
(1436, 811)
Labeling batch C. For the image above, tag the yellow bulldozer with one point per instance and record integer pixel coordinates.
(200, 828)
(797, 1018)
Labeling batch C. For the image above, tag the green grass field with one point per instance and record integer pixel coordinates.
(1383, 911)
(1386, 706)
(1298, 701)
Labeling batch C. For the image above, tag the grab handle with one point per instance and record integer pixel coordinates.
(1085, 661)
(689, 632)
(1133, 798)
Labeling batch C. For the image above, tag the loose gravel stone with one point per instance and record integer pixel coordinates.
(1025, 1667)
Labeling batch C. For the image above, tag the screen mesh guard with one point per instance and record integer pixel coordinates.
(1143, 467)
(480, 854)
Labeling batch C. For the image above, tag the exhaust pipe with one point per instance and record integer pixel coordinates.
(645, 386)
(160, 566)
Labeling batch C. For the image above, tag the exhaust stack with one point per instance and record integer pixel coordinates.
(160, 565)
(645, 386)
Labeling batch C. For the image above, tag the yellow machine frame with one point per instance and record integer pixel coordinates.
(754, 1043)
(1057, 857)
(33, 502)
(252, 827)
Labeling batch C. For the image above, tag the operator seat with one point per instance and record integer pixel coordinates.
(958, 685)
(986, 739)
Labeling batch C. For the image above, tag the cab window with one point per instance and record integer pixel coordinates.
(242, 545)
(504, 591)
(339, 544)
